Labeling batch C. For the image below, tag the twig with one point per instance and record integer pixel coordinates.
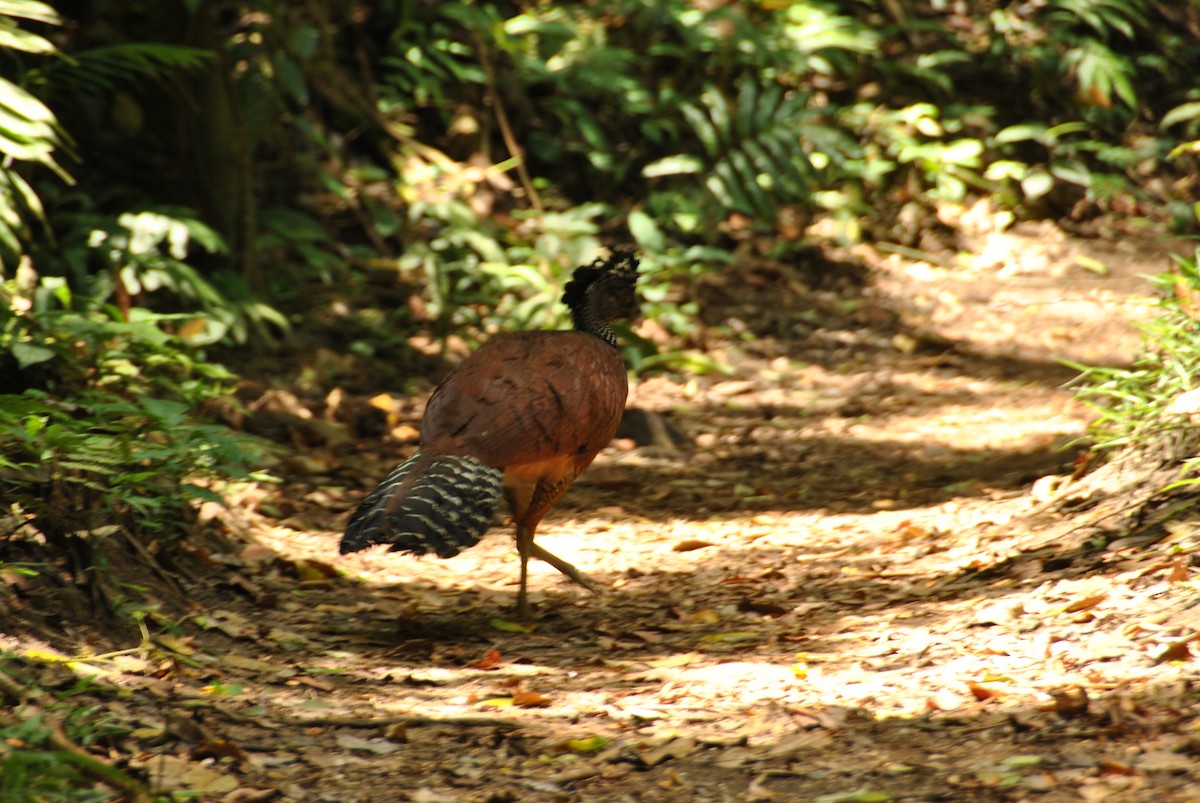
(150, 561)
(506, 132)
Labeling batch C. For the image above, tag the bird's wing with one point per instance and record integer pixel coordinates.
(527, 397)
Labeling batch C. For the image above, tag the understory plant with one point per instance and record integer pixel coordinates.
(1157, 397)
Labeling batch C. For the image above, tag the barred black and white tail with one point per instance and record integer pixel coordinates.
(441, 504)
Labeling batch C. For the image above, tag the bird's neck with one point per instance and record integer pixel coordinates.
(587, 319)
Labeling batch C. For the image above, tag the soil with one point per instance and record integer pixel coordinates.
(871, 564)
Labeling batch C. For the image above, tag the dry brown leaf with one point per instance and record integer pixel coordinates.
(676, 748)
(1179, 570)
(490, 660)
(1165, 761)
(1068, 702)
(530, 699)
(312, 683)
(1177, 651)
(1114, 767)
(691, 544)
(672, 661)
(982, 692)
(1085, 603)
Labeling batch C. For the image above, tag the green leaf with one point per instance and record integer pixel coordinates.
(506, 626)
(1037, 184)
(166, 412)
(962, 152)
(647, 233)
(17, 39)
(1185, 112)
(673, 166)
(590, 744)
(198, 492)
(1021, 133)
(28, 354)
(30, 10)
(732, 638)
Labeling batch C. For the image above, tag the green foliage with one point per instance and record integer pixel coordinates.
(106, 68)
(763, 150)
(97, 424)
(101, 459)
(1136, 404)
(31, 771)
(35, 770)
(29, 131)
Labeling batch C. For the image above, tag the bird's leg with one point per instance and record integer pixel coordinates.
(525, 548)
(560, 564)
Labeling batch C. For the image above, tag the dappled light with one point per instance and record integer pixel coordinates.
(844, 355)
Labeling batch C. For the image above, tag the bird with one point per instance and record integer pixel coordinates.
(520, 418)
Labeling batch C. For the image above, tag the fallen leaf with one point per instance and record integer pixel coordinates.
(1021, 761)
(348, 741)
(383, 401)
(589, 744)
(251, 664)
(207, 782)
(218, 748)
(511, 627)
(732, 638)
(530, 699)
(1165, 761)
(671, 661)
(1085, 603)
(1177, 651)
(999, 613)
(314, 571)
(981, 692)
(184, 645)
(690, 544)
(231, 624)
(676, 748)
(1179, 570)
(1068, 702)
(490, 660)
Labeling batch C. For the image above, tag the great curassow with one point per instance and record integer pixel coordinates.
(523, 416)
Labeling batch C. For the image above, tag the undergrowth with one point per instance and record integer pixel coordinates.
(43, 743)
(1158, 395)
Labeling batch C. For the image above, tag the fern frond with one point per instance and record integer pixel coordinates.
(102, 68)
(759, 146)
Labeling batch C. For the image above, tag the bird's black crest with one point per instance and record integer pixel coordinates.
(621, 265)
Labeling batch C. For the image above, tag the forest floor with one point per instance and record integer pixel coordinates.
(870, 567)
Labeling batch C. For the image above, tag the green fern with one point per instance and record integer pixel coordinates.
(103, 68)
(1104, 17)
(765, 149)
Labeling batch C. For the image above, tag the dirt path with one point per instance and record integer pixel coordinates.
(839, 590)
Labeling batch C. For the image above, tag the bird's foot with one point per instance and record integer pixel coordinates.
(564, 567)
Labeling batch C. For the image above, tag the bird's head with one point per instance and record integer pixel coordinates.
(605, 289)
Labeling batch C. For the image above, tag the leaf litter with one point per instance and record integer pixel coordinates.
(850, 582)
